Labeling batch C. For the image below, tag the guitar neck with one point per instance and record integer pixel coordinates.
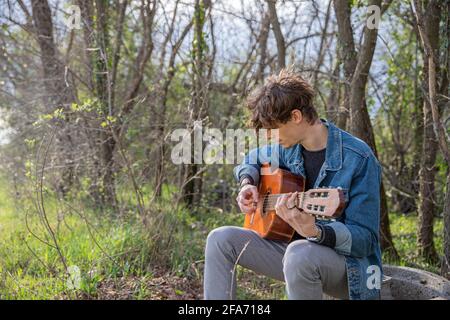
(270, 200)
(321, 202)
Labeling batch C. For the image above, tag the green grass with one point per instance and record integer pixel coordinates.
(109, 249)
(102, 247)
(32, 269)
(404, 233)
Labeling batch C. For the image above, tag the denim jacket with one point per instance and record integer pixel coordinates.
(349, 164)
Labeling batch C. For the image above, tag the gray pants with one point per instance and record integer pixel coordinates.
(308, 269)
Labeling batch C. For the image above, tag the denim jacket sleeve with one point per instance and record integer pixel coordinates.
(358, 235)
(252, 162)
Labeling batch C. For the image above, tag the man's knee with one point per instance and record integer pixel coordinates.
(300, 261)
(219, 235)
(223, 238)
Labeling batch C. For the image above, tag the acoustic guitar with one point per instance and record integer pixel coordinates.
(325, 203)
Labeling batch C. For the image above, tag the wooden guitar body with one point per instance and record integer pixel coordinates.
(266, 223)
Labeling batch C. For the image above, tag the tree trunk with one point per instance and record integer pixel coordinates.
(159, 174)
(334, 99)
(356, 70)
(347, 54)
(418, 129)
(262, 42)
(427, 174)
(281, 47)
(428, 28)
(322, 47)
(445, 266)
(193, 187)
(430, 146)
(59, 93)
(445, 269)
(107, 178)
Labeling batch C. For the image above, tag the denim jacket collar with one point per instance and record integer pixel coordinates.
(333, 156)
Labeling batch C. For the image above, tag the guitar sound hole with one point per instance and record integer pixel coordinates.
(265, 203)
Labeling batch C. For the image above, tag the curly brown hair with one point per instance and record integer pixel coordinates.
(272, 103)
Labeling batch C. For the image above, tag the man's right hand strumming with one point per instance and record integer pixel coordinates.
(247, 198)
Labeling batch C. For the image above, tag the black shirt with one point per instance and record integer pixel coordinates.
(312, 162)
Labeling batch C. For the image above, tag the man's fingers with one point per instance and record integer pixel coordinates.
(247, 193)
(252, 195)
(290, 203)
(255, 194)
(284, 198)
(277, 204)
(247, 209)
(280, 204)
(246, 201)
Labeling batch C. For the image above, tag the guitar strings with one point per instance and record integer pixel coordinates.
(269, 203)
(277, 195)
(271, 200)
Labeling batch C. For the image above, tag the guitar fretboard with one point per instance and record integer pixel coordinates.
(270, 200)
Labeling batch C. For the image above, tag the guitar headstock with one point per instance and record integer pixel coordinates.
(325, 202)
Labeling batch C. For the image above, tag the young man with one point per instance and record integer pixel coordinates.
(341, 258)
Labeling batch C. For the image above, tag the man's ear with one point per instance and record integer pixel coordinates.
(296, 116)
